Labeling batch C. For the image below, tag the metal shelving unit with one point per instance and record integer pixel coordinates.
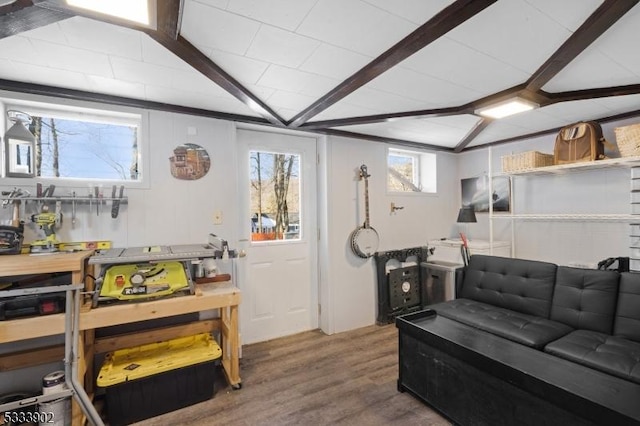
(632, 163)
(71, 339)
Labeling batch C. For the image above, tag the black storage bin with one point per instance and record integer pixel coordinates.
(157, 378)
(162, 393)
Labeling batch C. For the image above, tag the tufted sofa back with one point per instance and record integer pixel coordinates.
(585, 298)
(627, 321)
(520, 285)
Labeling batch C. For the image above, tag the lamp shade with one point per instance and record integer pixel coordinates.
(466, 215)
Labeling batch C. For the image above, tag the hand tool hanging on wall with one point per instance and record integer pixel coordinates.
(96, 191)
(73, 210)
(115, 207)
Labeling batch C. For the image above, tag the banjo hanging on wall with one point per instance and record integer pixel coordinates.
(364, 239)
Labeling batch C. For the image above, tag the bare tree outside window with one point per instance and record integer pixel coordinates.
(275, 196)
(84, 149)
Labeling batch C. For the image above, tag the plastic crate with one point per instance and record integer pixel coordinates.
(157, 378)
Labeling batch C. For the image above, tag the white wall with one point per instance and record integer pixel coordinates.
(564, 242)
(349, 282)
(172, 211)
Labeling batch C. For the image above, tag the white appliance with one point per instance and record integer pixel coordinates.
(448, 250)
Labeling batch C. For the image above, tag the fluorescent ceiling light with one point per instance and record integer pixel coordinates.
(506, 108)
(131, 10)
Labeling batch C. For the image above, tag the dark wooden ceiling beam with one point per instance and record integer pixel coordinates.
(443, 22)
(552, 132)
(24, 15)
(382, 118)
(81, 95)
(169, 17)
(198, 60)
(603, 92)
(477, 129)
(596, 24)
(468, 108)
(382, 139)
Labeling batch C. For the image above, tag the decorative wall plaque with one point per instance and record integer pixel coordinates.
(189, 162)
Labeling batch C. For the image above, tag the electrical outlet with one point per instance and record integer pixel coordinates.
(217, 217)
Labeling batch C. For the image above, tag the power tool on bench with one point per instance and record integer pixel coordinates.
(47, 221)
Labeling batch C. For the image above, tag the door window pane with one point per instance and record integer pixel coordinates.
(275, 196)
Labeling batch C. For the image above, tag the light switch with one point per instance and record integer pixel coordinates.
(217, 217)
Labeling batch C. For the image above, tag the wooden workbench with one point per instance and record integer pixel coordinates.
(222, 295)
(47, 325)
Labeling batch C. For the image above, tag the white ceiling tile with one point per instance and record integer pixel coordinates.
(260, 92)
(513, 32)
(287, 104)
(603, 72)
(496, 131)
(343, 110)
(292, 101)
(441, 131)
(245, 70)
(575, 111)
(290, 80)
(381, 101)
(8, 71)
(88, 34)
(195, 82)
(20, 49)
(51, 77)
(355, 25)
(534, 120)
(416, 11)
(619, 104)
(73, 59)
(334, 62)
(217, 29)
(464, 66)
(432, 91)
(142, 72)
(196, 100)
(287, 14)
(609, 60)
(281, 47)
(220, 4)
(111, 86)
(154, 53)
(52, 33)
(568, 13)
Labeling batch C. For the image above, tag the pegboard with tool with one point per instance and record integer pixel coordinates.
(42, 208)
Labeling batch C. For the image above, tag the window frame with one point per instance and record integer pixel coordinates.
(275, 151)
(420, 172)
(64, 109)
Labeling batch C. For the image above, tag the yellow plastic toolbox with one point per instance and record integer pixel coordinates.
(156, 378)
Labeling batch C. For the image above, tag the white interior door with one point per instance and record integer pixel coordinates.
(278, 277)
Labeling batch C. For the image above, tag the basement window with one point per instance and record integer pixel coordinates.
(411, 171)
(84, 144)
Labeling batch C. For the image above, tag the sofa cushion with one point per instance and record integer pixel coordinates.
(614, 355)
(627, 321)
(524, 286)
(526, 329)
(585, 298)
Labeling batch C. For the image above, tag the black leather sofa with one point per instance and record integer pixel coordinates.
(528, 342)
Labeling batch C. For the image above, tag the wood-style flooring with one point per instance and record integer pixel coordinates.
(313, 379)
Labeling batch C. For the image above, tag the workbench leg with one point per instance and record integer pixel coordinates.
(77, 415)
(230, 344)
(89, 355)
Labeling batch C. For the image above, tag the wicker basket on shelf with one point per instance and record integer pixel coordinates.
(628, 140)
(525, 161)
